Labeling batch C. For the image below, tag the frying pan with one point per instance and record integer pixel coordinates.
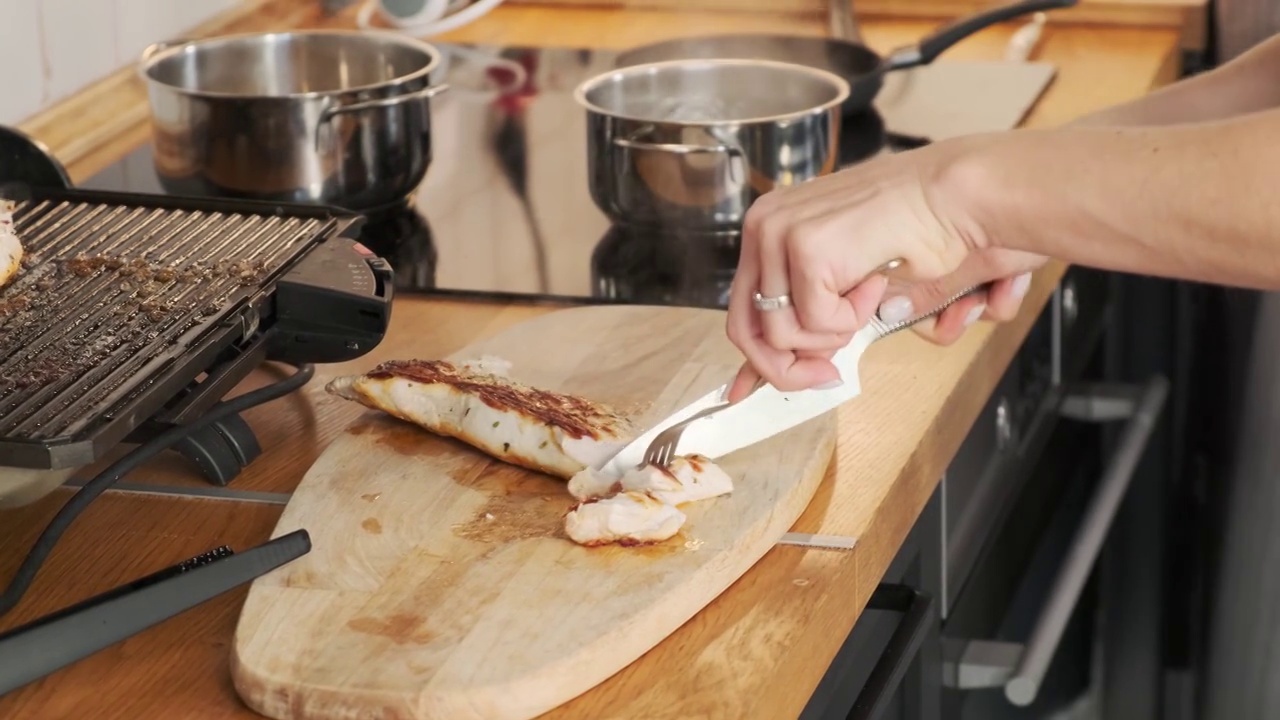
(861, 66)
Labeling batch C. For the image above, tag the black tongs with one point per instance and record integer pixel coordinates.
(31, 651)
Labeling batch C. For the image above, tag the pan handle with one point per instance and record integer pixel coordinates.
(927, 50)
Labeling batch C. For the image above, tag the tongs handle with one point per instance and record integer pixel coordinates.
(63, 637)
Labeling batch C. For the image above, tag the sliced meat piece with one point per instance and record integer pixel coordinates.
(10, 244)
(550, 432)
(689, 478)
(628, 518)
(593, 484)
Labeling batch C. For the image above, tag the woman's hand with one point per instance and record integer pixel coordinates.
(823, 243)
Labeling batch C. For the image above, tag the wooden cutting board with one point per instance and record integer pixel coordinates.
(440, 584)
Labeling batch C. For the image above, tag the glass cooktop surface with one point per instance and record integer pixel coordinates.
(505, 211)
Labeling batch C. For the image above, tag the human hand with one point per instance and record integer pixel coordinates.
(1000, 301)
(822, 243)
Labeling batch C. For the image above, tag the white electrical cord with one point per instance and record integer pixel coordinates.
(435, 17)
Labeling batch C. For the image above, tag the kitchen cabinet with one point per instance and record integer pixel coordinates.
(1002, 561)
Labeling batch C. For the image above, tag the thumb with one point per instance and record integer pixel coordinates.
(904, 300)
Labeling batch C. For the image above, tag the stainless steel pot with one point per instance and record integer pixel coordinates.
(692, 143)
(333, 117)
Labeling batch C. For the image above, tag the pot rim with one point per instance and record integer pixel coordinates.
(840, 85)
(158, 52)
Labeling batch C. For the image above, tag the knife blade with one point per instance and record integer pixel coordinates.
(761, 415)
(767, 411)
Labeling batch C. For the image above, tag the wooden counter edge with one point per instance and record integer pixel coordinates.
(1190, 17)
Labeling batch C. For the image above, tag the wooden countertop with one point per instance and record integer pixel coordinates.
(758, 650)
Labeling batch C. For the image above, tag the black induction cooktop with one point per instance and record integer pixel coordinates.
(504, 211)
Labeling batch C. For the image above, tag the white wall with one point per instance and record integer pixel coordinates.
(49, 49)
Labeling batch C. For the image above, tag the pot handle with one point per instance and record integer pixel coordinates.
(423, 94)
(151, 50)
(679, 148)
(686, 149)
(156, 47)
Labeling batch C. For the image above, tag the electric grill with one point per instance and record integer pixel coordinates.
(134, 313)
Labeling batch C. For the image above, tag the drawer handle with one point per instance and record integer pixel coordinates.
(917, 610)
(1021, 668)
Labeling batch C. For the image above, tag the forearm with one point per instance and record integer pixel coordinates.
(1248, 83)
(1196, 201)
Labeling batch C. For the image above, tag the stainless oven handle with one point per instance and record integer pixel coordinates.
(882, 683)
(1022, 687)
(1020, 668)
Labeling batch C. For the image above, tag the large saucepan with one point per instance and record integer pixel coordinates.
(861, 66)
(334, 117)
(691, 144)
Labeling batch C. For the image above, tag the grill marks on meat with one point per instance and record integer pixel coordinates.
(556, 433)
(476, 403)
(575, 416)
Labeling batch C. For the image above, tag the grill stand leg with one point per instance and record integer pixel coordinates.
(221, 450)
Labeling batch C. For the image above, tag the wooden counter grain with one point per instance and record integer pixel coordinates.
(759, 649)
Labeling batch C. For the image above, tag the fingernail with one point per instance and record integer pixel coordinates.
(829, 385)
(1021, 284)
(974, 313)
(896, 309)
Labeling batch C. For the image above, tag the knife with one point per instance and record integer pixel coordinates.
(767, 411)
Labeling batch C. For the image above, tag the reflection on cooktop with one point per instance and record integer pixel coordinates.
(403, 238)
(505, 209)
(664, 267)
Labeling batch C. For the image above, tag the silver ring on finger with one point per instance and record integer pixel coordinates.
(765, 303)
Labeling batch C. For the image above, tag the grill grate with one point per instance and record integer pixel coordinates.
(112, 293)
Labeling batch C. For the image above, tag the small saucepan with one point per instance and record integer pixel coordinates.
(690, 144)
(862, 67)
(320, 116)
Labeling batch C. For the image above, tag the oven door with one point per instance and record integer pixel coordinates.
(1019, 622)
(985, 613)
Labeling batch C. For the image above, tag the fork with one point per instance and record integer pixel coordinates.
(662, 449)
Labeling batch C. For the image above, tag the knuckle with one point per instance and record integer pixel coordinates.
(773, 227)
(805, 246)
(777, 337)
(810, 319)
(735, 331)
(762, 206)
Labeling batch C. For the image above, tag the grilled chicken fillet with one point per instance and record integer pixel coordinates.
(10, 244)
(478, 404)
